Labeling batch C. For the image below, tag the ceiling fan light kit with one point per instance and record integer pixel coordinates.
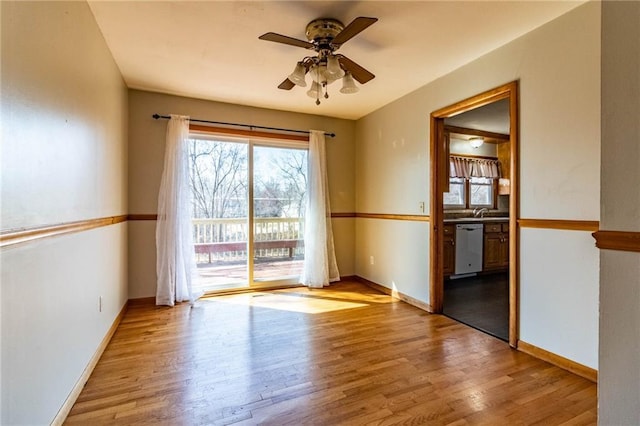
(297, 76)
(325, 36)
(348, 85)
(315, 90)
(334, 70)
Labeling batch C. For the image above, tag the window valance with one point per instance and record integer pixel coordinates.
(473, 167)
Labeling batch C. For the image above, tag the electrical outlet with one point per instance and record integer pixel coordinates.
(371, 260)
(421, 206)
(100, 304)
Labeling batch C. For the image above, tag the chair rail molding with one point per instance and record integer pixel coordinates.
(12, 237)
(617, 240)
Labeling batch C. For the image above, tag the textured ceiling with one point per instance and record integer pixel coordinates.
(210, 49)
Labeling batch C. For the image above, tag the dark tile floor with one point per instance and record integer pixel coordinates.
(481, 302)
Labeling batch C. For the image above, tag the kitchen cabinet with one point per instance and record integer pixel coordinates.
(449, 252)
(496, 246)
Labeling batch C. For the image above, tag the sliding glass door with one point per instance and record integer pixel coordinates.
(247, 197)
(279, 197)
(219, 175)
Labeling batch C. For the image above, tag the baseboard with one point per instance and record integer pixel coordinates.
(559, 361)
(75, 392)
(395, 294)
(142, 301)
(347, 278)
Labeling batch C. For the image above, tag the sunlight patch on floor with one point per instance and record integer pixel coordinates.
(334, 292)
(287, 302)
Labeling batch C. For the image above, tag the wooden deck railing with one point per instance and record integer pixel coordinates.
(226, 239)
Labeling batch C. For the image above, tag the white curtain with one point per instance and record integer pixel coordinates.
(320, 266)
(174, 240)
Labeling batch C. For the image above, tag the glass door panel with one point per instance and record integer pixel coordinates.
(279, 198)
(219, 173)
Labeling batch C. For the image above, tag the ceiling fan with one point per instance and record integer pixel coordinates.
(325, 36)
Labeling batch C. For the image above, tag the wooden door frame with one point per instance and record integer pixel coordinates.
(439, 178)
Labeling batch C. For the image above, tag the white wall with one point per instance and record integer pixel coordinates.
(548, 313)
(619, 378)
(463, 147)
(400, 252)
(146, 154)
(558, 66)
(64, 131)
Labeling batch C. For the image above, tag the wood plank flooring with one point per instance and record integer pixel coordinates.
(345, 355)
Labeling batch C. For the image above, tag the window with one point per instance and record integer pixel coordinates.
(457, 195)
(481, 192)
(465, 193)
(472, 182)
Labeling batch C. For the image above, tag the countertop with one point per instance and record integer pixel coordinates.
(476, 219)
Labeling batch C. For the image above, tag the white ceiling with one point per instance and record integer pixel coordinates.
(210, 49)
(493, 117)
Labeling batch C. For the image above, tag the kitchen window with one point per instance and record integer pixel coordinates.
(481, 192)
(457, 195)
(468, 193)
(472, 182)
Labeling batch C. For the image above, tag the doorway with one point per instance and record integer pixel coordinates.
(488, 250)
(248, 200)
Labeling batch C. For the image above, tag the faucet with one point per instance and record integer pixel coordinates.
(480, 212)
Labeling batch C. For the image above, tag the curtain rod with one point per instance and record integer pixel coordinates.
(250, 126)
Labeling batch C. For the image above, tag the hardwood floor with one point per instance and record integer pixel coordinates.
(342, 355)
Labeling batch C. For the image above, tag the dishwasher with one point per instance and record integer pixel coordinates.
(468, 248)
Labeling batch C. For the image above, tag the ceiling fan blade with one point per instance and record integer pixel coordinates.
(286, 84)
(279, 38)
(354, 28)
(359, 73)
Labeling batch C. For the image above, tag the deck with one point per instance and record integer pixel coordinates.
(221, 251)
(220, 276)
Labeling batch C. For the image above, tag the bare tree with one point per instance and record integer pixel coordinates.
(292, 168)
(268, 198)
(218, 178)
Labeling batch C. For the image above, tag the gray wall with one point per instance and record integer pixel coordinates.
(64, 153)
(619, 381)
